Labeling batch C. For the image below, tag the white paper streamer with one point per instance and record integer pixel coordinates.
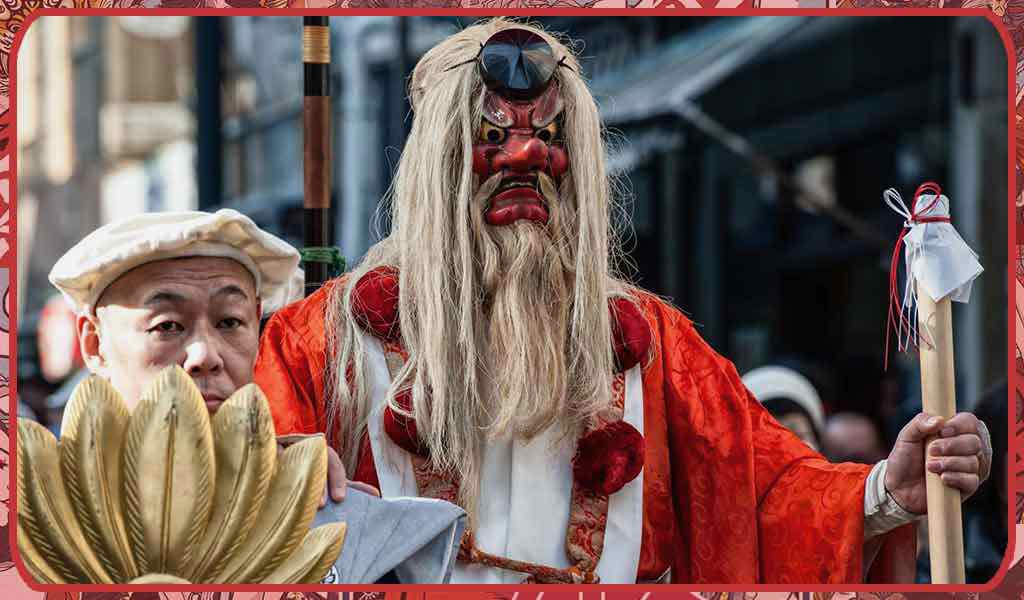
(936, 257)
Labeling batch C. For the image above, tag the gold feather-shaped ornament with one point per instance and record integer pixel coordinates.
(140, 492)
(46, 514)
(36, 565)
(315, 556)
(288, 511)
(169, 478)
(246, 453)
(95, 422)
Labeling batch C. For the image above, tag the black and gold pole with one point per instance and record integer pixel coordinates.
(318, 255)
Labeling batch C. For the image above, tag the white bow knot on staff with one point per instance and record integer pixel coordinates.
(940, 269)
(937, 259)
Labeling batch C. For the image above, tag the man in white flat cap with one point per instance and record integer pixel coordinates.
(189, 289)
(180, 288)
(185, 288)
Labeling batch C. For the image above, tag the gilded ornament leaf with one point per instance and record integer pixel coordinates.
(313, 558)
(246, 453)
(169, 473)
(90, 455)
(44, 511)
(286, 515)
(37, 566)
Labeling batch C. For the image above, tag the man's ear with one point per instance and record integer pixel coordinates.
(89, 343)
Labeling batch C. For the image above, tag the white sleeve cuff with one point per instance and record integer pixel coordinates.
(881, 511)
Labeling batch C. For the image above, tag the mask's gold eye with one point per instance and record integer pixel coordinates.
(547, 134)
(491, 133)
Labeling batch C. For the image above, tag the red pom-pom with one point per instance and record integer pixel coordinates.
(608, 458)
(375, 303)
(402, 429)
(631, 334)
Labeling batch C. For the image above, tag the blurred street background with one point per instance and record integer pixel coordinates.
(753, 153)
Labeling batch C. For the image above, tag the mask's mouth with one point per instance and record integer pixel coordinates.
(516, 198)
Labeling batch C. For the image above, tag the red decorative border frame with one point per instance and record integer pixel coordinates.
(1006, 15)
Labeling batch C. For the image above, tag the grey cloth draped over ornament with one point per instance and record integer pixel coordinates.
(417, 538)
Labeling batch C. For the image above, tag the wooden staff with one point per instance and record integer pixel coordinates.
(938, 395)
(316, 151)
(948, 266)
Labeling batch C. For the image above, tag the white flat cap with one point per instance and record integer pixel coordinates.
(87, 269)
(772, 382)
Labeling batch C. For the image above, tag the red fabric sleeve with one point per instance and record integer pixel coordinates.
(290, 368)
(291, 361)
(752, 503)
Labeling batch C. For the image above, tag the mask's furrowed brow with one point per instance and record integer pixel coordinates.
(549, 106)
(497, 110)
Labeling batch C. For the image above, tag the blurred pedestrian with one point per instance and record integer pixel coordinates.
(791, 398)
(853, 437)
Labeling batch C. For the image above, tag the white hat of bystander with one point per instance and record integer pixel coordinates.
(771, 382)
(87, 269)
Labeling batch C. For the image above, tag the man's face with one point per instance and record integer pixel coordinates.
(519, 143)
(199, 313)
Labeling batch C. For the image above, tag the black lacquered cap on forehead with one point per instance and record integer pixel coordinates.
(517, 63)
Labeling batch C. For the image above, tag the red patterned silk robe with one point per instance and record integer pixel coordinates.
(728, 494)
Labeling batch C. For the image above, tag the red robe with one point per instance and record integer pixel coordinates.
(729, 495)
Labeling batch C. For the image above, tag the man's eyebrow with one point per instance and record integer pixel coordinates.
(231, 290)
(162, 297)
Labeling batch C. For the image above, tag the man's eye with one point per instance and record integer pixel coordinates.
(490, 133)
(168, 327)
(230, 323)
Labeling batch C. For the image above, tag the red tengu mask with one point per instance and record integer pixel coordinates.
(519, 134)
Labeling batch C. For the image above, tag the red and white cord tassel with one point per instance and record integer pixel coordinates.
(903, 313)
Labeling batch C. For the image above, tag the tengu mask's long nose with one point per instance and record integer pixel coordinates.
(522, 154)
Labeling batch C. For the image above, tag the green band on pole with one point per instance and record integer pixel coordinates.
(330, 255)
